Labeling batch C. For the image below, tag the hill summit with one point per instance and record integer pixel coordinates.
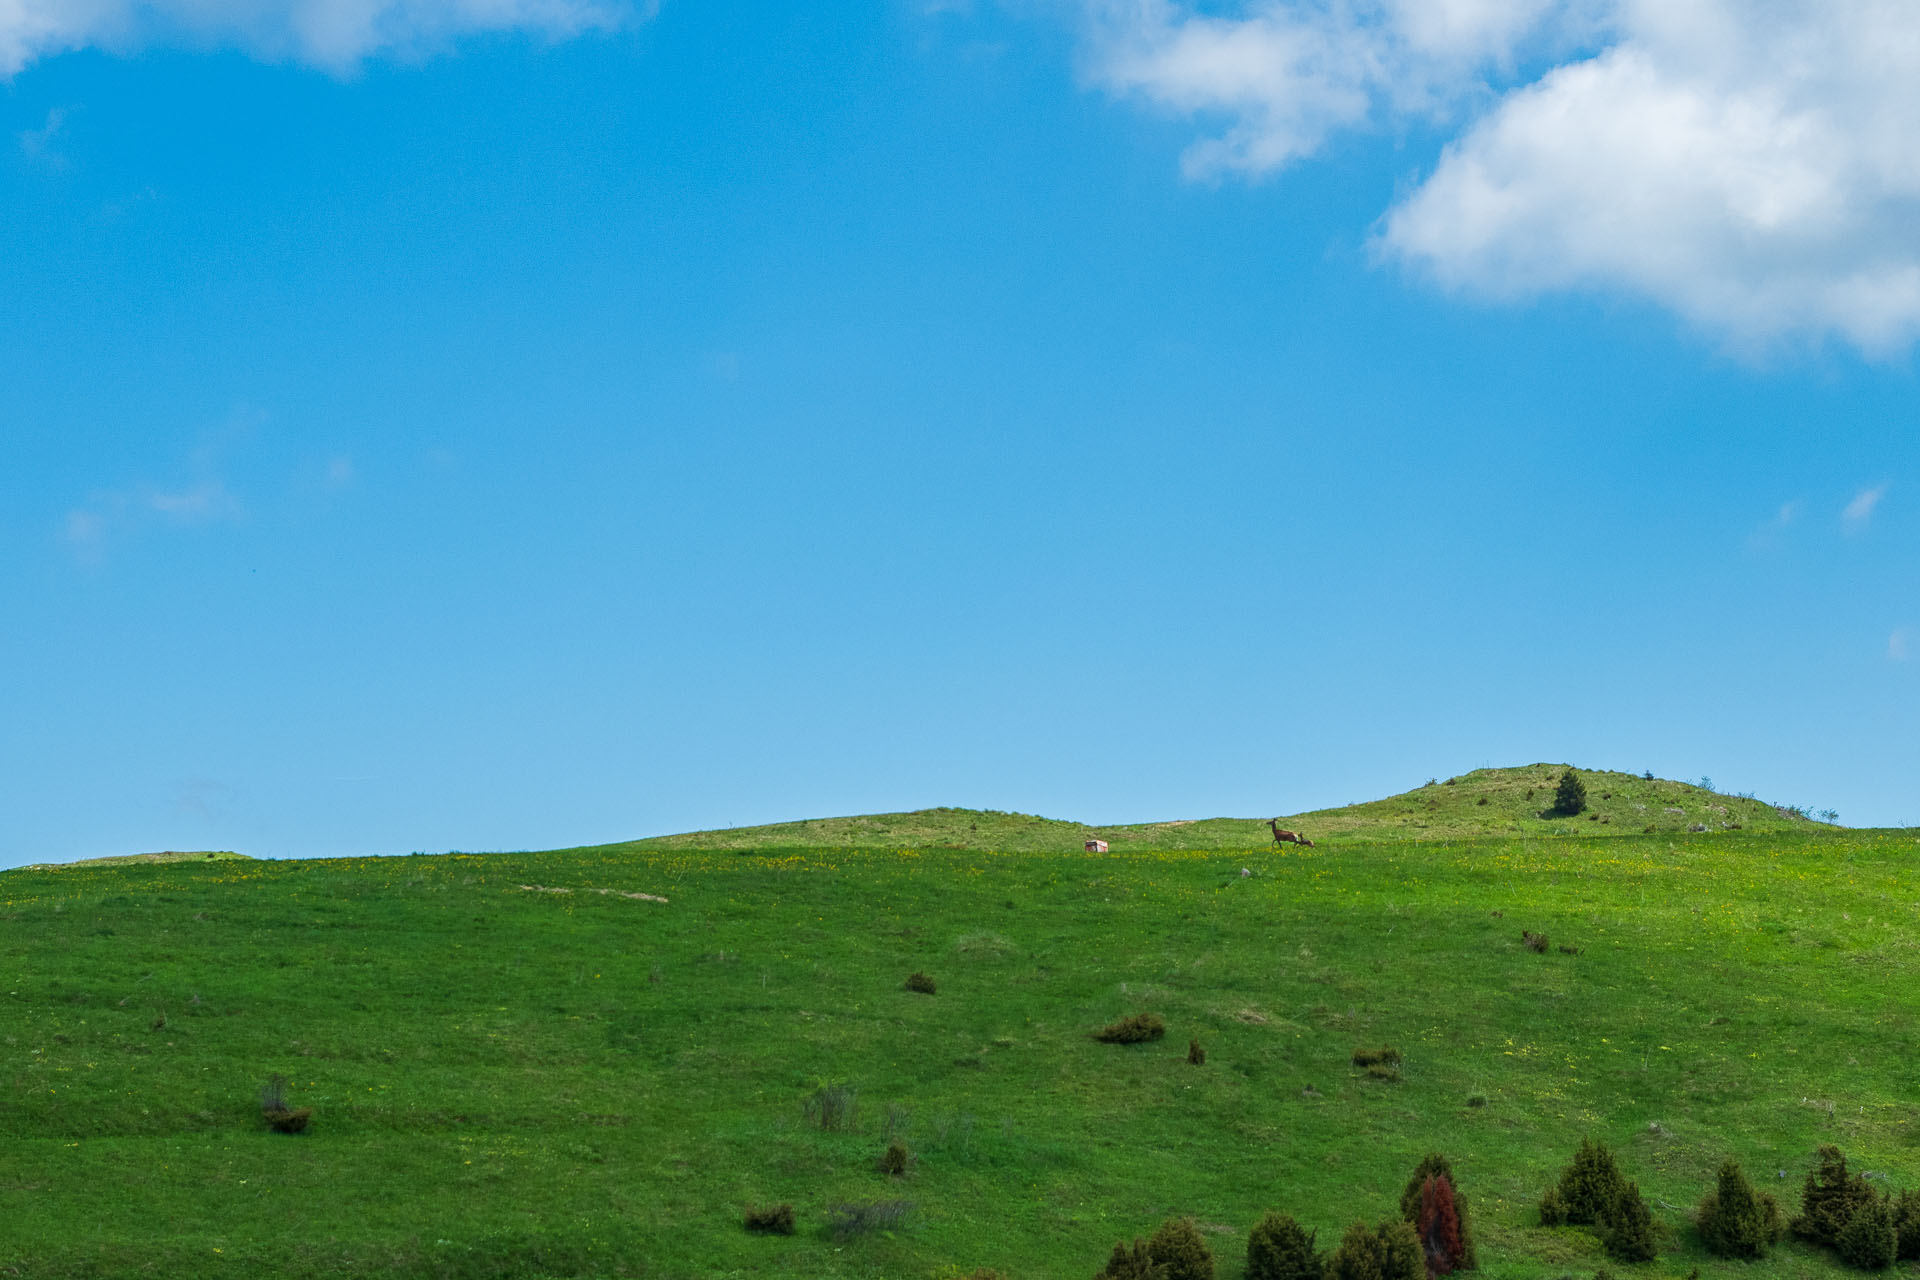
(1485, 802)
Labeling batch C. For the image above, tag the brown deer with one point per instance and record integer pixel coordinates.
(1287, 837)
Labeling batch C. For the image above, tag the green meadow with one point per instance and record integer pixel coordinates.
(517, 1068)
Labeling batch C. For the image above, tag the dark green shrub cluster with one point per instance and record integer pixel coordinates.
(1278, 1248)
(1535, 942)
(917, 981)
(1737, 1221)
(772, 1219)
(1589, 1186)
(1195, 1054)
(1131, 1264)
(1592, 1192)
(1389, 1251)
(1132, 1029)
(1829, 1198)
(1868, 1240)
(1906, 1224)
(1178, 1249)
(1385, 1056)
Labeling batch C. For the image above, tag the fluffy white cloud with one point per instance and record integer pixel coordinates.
(329, 33)
(1747, 163)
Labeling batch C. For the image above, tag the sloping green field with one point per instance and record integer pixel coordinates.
(515, 1070)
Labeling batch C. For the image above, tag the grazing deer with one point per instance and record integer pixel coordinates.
(1287, 837)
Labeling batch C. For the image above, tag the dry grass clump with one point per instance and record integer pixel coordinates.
(917, 981)
(845, 1221)
(1535, 942)
(1385, 1056)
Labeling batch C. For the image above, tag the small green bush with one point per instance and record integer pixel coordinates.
(274, 1109)
(1868, 1240)
(1435, 1165)
(1570, 797)
(1132, 1029)
(1385, 1056)
(1390, 1251)
(1535, 942)
(917, 981)
(1195, 1054)
(896, 1159)
(1131, 1264)
(1553, 1210)
(1278, 1249)
(1178, 1248)
(1828, 1198)
(1590, 1185)
(1735, 1220)
(772, 1219)
(1628, 1231)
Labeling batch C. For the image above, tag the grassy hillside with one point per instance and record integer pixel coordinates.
(135, 859)
(518, 1069)
(1485, 802)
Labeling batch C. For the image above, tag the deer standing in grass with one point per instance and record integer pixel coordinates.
(1287, 837)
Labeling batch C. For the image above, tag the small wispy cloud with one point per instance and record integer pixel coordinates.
(1770, 533)
(339, 472)
(37, 144)
(1860, 511)
(203, 499)
(1897, 644)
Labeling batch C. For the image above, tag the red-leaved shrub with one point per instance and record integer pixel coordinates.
(1439, 1226)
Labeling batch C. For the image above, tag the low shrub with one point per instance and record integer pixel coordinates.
(1132, 1029)
(1568, 949)
(1906, 1225)
(917, 981)
(1628, 1232)
(1737, 1221)
(771, 1219)
(274, 1109)
(1589, 1186)
(896, 1159)
(1535, 942)
(1179, 1250)
(1278, 1249)
(1381, 1071)
(1553, 1210)
(1829, 1198)
(1131, 1264)
(1390, 1251)
(1195, 1054)
(845, 1221)
(1385, 1055)
(1868, 1241)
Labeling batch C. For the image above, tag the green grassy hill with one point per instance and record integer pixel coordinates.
(1485, 802)
(135, 859)
(519, 1068)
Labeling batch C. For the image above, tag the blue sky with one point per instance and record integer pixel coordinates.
(516, 424)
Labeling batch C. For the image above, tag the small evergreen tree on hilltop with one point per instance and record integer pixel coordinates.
(1571, 795)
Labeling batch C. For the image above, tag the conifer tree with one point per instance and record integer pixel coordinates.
(1868, 1241)
(1628, 1232)
(1279, 1249)
(1436, 1166)
(1735, 1220)
(1571, 796)
(1178, 1248)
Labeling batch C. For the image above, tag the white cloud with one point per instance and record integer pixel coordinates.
(1858, 512)
(37, 144)
(335, 34)
(1746, 163)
